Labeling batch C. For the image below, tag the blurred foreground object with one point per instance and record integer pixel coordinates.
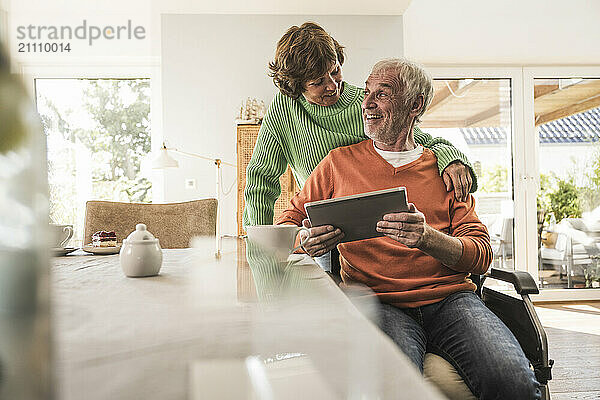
(24, 302)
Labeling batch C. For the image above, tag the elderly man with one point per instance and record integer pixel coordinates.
(419, 270)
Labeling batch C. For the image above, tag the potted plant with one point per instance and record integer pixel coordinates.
(565, 201)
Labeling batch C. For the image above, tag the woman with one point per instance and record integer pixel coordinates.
(314, 112)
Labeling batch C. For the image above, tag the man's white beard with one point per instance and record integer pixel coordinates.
(389, 133)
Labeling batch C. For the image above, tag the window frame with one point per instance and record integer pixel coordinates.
(123, 69)
(518, 159)
(111, 69)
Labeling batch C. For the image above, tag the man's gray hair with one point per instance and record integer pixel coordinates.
(414, 79)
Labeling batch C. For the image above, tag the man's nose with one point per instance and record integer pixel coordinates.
(368, 102)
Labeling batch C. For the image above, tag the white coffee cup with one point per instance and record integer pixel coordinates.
(60, 235)
(277, 240)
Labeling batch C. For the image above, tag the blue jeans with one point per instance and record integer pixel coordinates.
(469, 336)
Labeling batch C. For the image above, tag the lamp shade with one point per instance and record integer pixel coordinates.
(164, 160)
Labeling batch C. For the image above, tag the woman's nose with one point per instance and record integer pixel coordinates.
(331, 84)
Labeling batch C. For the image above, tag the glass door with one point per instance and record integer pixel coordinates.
(474, 109)
(564, 123)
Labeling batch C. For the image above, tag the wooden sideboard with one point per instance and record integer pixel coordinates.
(246, 139)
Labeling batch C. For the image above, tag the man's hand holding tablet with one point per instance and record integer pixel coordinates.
(411, 229)
(350, 218)
(322, 240)
(407, 228)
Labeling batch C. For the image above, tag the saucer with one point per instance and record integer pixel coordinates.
(294, 258)
(62, 251)
(102, 250)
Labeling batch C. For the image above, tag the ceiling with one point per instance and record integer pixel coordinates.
(462, 103)
(157, 7)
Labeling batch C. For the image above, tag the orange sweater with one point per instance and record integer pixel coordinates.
(399, 275)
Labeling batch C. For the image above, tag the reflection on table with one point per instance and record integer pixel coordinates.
(234, 328)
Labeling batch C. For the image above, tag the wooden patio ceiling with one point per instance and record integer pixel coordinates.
(462, 103)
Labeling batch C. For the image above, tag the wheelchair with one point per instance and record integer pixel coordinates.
(518, 314)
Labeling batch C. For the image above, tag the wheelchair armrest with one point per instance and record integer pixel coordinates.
(521, 280)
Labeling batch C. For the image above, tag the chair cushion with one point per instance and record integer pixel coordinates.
(443, 375)
(174, 224)
(552, 254)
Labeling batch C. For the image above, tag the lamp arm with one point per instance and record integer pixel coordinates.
(217, 161)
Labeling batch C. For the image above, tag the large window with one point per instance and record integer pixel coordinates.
(97, 132)
(475, 115)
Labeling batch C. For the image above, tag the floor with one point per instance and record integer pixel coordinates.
(573, 331)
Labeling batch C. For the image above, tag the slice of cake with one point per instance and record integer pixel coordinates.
(104, 239)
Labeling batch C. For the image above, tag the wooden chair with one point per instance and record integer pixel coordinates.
(174, 224)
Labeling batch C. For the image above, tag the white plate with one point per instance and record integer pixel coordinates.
(102, 250)
(62, 251)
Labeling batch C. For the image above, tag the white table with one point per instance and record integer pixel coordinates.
(188, 333)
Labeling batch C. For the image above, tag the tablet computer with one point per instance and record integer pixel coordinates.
(357, 215)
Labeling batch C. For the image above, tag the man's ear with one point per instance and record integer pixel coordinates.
(417, 105)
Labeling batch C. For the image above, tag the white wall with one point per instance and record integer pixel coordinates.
(210, 63)
(148, 14)
(72, 13)
(116, 58)
(279, 7)
(503, 32)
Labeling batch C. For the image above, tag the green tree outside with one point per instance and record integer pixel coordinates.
(117, 135)
(121, 138)
(494, 179)
(565, 201)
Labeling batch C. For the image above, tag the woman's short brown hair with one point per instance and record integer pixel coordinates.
(303, 53)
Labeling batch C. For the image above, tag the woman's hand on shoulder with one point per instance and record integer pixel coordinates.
(457, 176)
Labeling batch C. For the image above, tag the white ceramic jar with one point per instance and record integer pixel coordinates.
(141, 254)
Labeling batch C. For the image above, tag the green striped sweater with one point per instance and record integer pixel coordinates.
(301, 134)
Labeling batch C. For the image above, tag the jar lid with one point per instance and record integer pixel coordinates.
(140, 234)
